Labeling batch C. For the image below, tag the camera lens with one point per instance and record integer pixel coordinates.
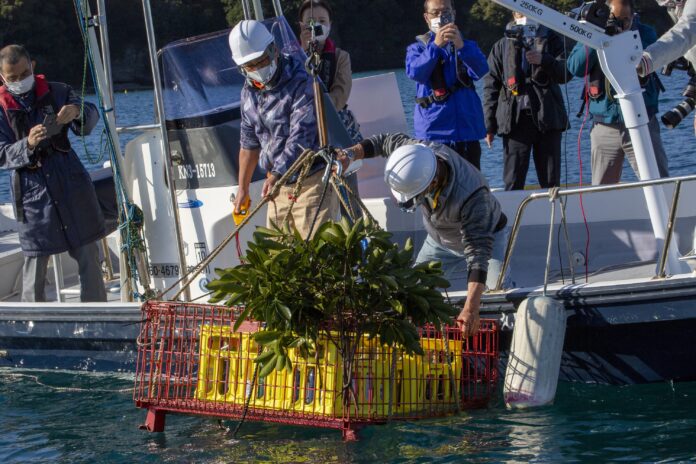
(673, 117)
(690, 91)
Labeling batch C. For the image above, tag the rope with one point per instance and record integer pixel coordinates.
(295, 194)
(453, 383)
(248, 401)
(341, 181)
(36, 380)
(307, 156)
(325, 189)
(82, 113)
(127, 229)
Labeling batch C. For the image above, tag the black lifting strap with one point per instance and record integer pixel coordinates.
(441, 92)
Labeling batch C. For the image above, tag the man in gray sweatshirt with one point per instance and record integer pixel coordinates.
(464, 222)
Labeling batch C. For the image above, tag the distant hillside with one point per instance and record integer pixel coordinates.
(375, 32)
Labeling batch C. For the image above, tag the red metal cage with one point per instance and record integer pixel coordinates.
(190, 361)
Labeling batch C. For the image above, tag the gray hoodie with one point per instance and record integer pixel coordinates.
(467, 214)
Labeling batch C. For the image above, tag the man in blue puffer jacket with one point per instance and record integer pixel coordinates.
(55, 203)
(445, 66)
(609, 136)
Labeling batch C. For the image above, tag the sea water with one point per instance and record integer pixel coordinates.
(95, 421)
(136, 107)
(74, 416)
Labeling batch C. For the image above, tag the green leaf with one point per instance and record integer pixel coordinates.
(264, 231)
(398, 306)
(280, 362)
(264, 357)
(268, 367)
(332, 236)
(242, 317)
(284, 311)
(266, 337)
(389, 281)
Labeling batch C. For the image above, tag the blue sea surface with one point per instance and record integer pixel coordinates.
(136, 107)
(97, 423)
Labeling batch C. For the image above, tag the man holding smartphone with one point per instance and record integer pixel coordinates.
(55, 203)
(445, 66)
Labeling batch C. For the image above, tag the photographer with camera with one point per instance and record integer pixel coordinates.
(677, 45)
(445, 66)
(610, 141)
(335, 70)
(55, 203)
(523, 102)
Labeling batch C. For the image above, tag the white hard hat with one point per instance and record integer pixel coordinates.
(249, 41)
(409, 171)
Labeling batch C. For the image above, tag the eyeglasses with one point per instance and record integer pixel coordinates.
(437, 13)
(258, 64)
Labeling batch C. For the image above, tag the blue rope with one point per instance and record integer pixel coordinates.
(130, 216)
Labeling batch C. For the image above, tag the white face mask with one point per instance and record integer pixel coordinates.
(264, 75)
(20, 87)
(326, 30)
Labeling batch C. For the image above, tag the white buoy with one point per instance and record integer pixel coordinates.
(534, 362)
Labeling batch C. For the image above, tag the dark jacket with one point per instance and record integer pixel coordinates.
(460, 117)
(545, 96)
(606, 108)
(280, 120)
(56, 198)
(467, 216)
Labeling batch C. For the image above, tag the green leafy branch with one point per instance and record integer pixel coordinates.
(344, 283)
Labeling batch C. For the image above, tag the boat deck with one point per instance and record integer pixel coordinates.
(71, 291)
(9, 243)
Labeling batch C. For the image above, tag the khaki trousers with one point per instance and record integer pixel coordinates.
(611, 143)
(305, 208)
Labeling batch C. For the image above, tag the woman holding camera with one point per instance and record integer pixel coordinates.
(334, 70)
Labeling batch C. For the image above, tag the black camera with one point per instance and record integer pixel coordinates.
(519, 33)
(594, 12)
(673, 117)
(680, 64)
(614, 26)
(315, 28)
(446, 18)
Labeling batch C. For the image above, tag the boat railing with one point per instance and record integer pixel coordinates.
(555, 194)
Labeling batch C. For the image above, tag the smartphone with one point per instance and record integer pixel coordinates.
(51, 125)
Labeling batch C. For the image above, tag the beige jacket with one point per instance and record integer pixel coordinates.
(343, 81)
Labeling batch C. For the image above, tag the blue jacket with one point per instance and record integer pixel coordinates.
(606, 108)
(59, 204)
(460, 117)
(280, 120)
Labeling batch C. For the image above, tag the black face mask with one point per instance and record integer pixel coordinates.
(411, 205)
(408, 206)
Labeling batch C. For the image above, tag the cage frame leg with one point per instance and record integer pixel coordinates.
(154, 420)
(350, 432)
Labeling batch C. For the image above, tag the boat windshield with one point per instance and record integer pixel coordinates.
(199, 76)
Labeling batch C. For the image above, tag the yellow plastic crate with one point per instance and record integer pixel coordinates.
(314, 386)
